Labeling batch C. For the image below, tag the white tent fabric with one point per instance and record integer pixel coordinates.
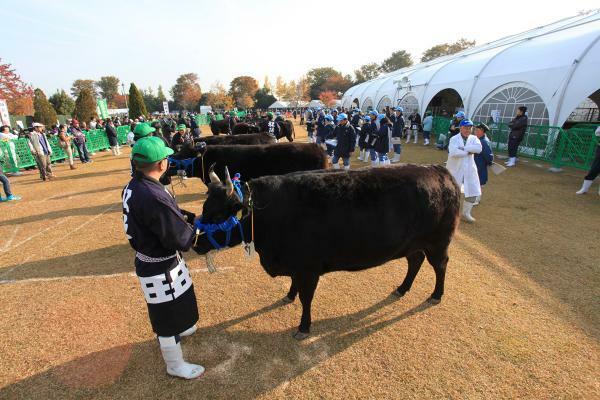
(279, 104)
(557, 63)
(315, 103)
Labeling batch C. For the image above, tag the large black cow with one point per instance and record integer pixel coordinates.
(218, 127)
(378, 215)
(253, 138)
(251, 161)
(244, 128)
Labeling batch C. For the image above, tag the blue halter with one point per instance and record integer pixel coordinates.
(182, 164)
(227, 226)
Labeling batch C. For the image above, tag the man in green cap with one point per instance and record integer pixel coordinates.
(158, 230)
(179, 137)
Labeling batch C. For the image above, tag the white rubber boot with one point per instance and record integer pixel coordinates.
(467, 207)
(375, 163)
(416, 138)
(587, 184)
(189, 331)
(176, 366)
(346, 167)
(396, 158)
(408, 137)
(336, 166)
(360, 155)
(426, 143)
(512, 161)
(477, 200)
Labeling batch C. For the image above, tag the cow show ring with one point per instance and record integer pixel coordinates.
(520, 317)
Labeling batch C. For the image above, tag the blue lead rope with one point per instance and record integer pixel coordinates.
(226, 227)
(182, 164)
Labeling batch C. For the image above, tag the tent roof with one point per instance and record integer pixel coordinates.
(555, 60)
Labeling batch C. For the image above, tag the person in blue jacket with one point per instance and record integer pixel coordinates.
(372, 140)
(397, 130)
(327, 134)
(484, 159)
(345, 135)
(382, 146)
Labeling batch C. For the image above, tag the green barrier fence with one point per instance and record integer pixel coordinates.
(15, 154)
(573, 148)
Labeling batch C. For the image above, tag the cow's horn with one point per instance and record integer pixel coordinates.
(228, 182)
(214, 178)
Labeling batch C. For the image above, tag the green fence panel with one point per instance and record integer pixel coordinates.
(24, 157)
(219, 117)
(122, 132)
(576, 148)
(8, 157)
(57, 151)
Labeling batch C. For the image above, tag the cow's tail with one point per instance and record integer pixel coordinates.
(291, 134)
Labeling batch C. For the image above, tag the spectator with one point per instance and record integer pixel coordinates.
(346, 141)
(382, 146)
(517, 126)
(79, 139)
(415, 125)
(372, 138)
(93, 123)
(179, 137)
(328, 137)
(310, 125)
(461, 165)
(64, 141)
(363, 137)
(484, 159)
(397, 129)
(427, 127)
(594, 170)
(41, 150)
(111, 134)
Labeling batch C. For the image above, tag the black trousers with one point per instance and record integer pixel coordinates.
(595, 169)
(513, 146)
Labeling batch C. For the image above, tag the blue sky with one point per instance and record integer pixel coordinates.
(52, 43)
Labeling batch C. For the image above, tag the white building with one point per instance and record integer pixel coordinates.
(550, 69)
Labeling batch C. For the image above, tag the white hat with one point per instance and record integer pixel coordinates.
(36, 124)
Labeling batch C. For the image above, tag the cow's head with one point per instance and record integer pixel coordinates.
(222, 201)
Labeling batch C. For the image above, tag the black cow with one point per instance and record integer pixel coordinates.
(310, 223)
(253, 138)
(251, 161)
(218, 127)
(244, 128)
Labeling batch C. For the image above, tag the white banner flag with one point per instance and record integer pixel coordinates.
(4, 116)
(166, 106)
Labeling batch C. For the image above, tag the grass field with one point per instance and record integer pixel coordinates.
(520, 317)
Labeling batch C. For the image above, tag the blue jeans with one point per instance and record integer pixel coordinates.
(336, 159)
(83, 152)
(6, 184)
(397, 149)
(373, 154)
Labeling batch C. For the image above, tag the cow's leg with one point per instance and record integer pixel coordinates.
(439, 260)
(307, 283)
(415, 260)
(291, 296)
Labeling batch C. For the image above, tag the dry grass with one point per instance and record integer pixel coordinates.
(520, 318)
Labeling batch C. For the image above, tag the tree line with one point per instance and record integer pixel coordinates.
(324, 83)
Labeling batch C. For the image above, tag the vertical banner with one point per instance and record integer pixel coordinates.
(102, 108)
(4, 116)
(166, 107)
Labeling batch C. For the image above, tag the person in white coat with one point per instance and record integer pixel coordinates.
(461, 164)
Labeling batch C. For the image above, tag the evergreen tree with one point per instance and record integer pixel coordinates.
(43, 111)
(62, 103)
(137, 107)
(85, 106)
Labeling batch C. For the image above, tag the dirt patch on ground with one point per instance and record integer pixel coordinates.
(520, 317)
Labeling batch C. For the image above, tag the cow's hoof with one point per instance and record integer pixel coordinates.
(287, 300)
(398, 293)
(300, 335)
(433, 300)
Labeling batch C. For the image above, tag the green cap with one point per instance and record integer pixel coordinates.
(150, 149)
(142, 130)
(269, 114)
(181, 127)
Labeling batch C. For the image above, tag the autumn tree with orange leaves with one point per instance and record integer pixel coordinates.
(18, 94)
